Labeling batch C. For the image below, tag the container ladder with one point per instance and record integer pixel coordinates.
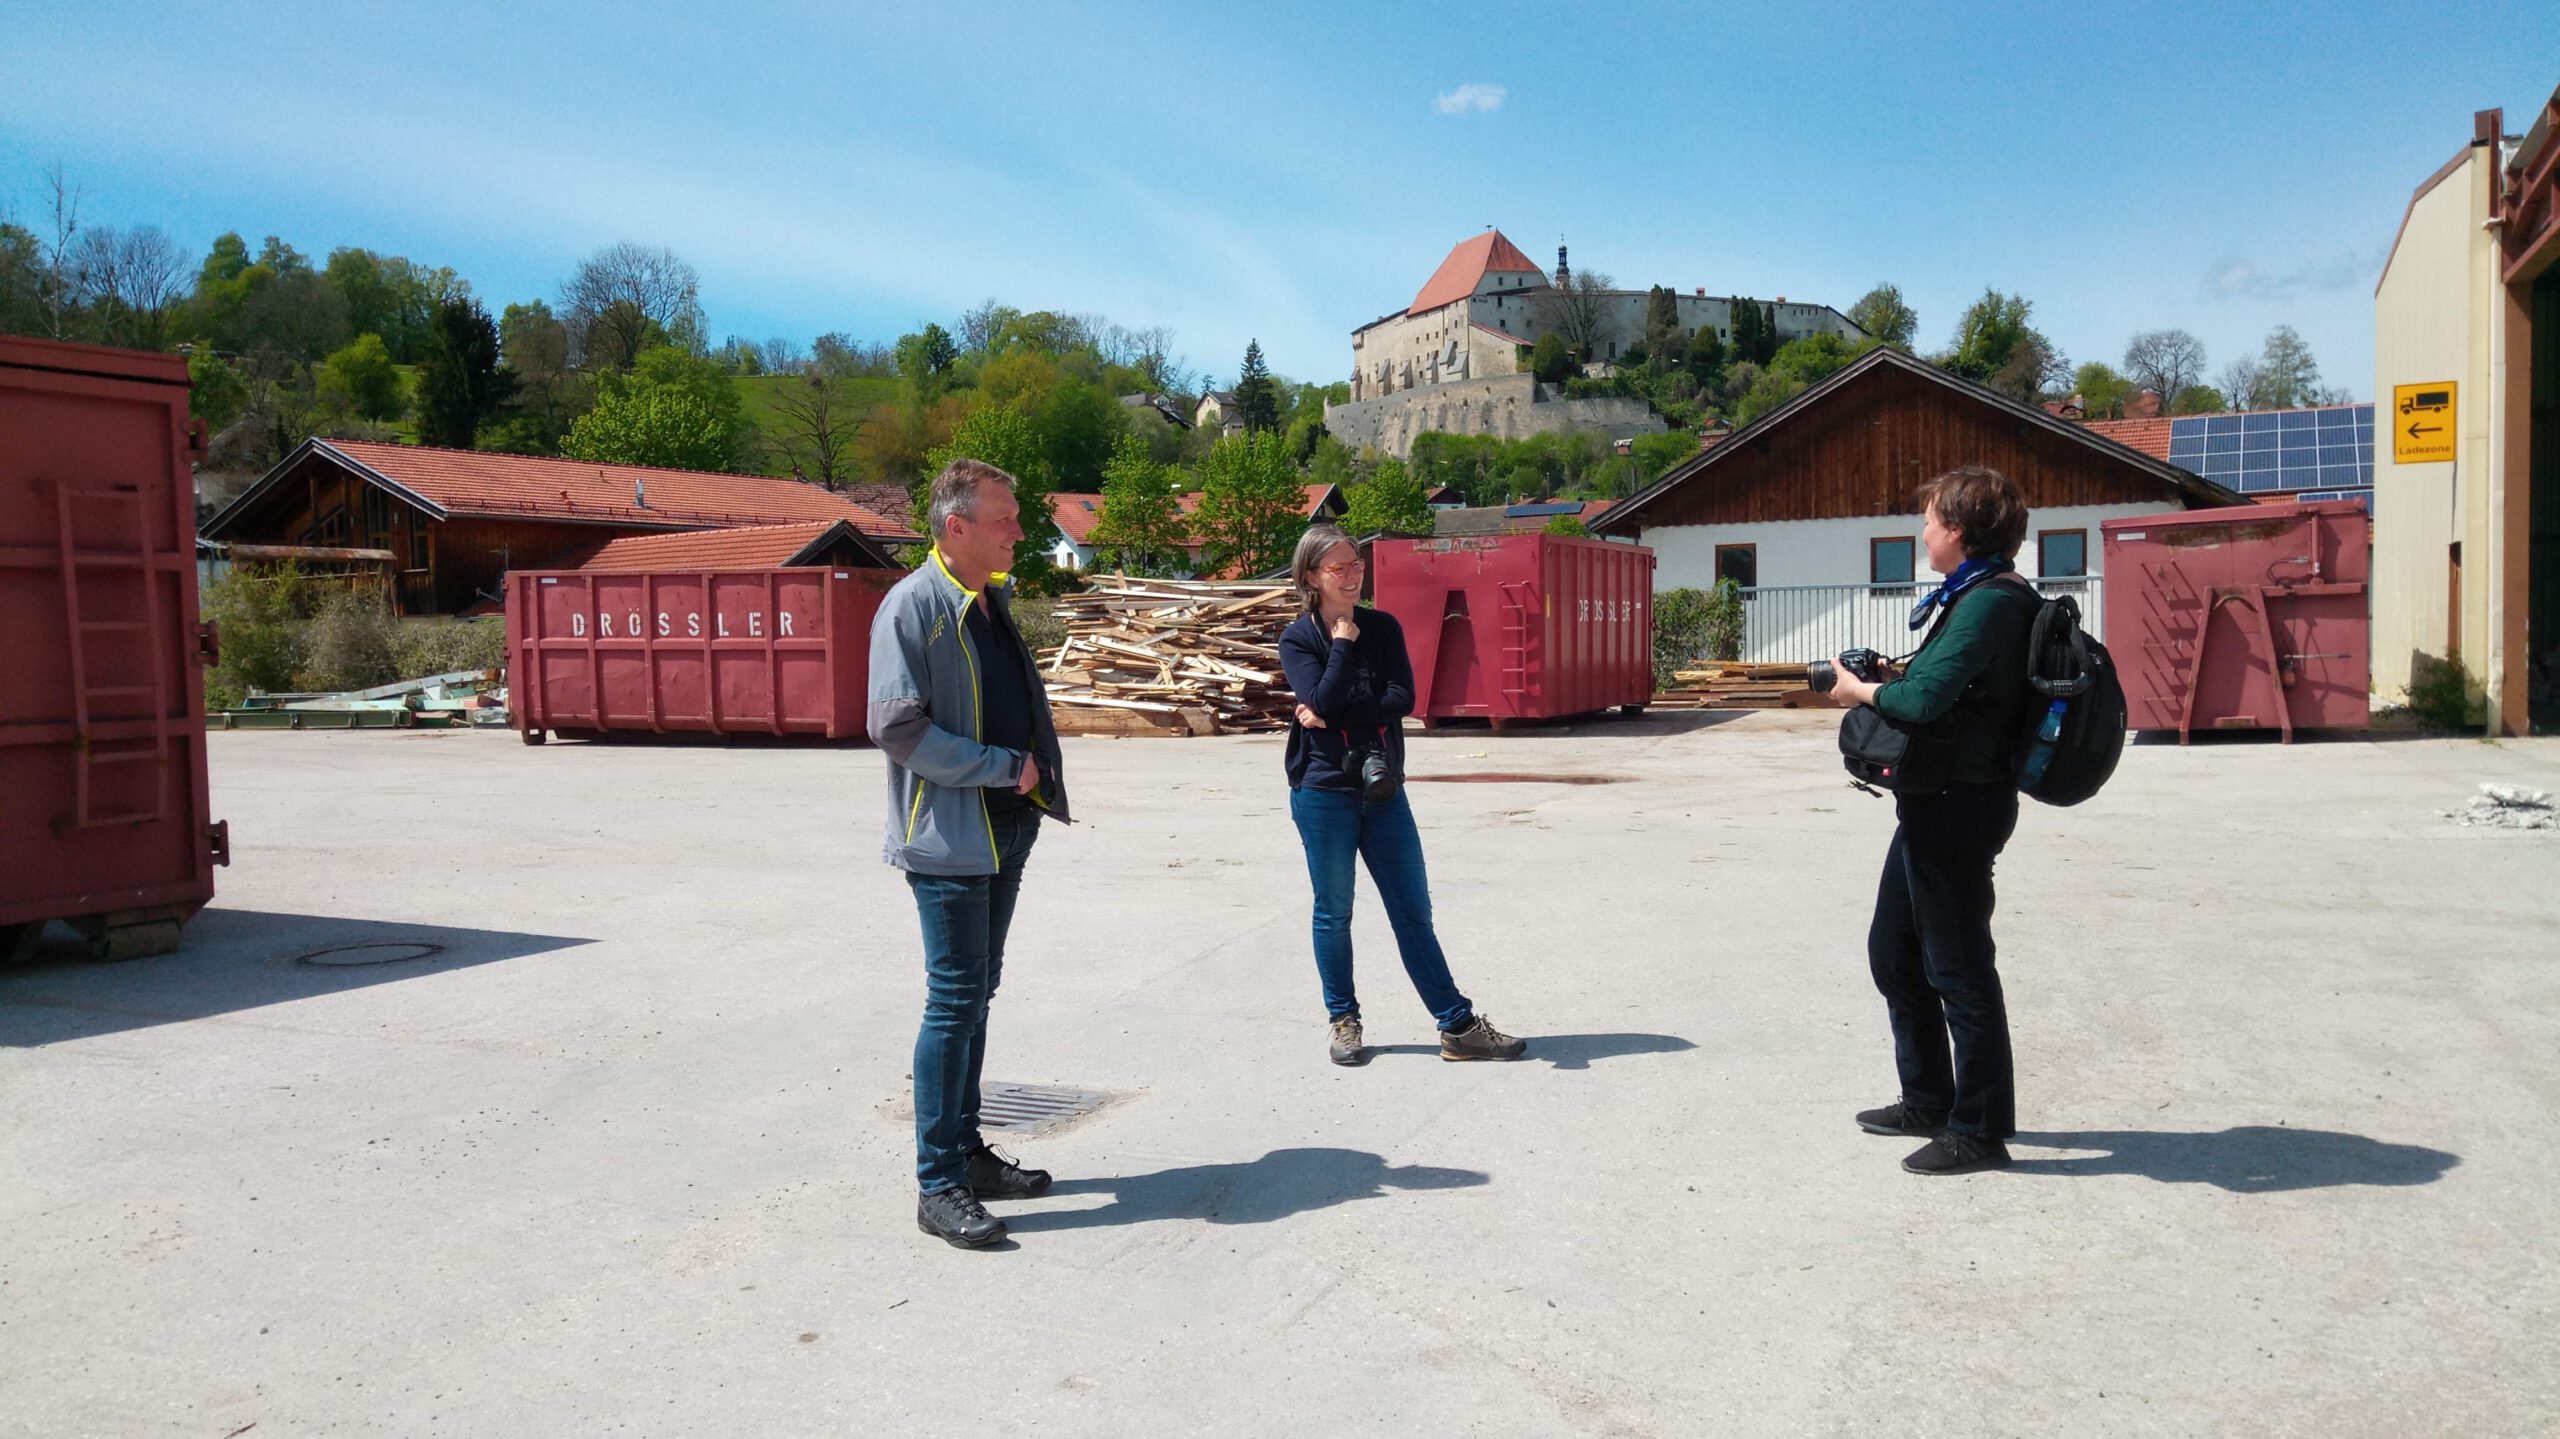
(89, 754)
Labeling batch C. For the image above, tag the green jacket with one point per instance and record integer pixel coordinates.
(1972, 673)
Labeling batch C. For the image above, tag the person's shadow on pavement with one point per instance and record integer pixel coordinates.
(2251, 1159)
(1280, 1183)
(1568, 1051)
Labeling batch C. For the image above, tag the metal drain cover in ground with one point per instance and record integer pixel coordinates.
(1031, 1108)
(348, 956)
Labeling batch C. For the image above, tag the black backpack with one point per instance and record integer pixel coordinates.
(2071, 737)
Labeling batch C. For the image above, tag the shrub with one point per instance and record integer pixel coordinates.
(349, 644)
(1036, 616)
(435, 647)
(2440, 694)
(1691, 625)
(1723, 624)
(260, 618)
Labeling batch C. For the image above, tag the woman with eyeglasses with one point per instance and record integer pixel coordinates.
(1354, 684)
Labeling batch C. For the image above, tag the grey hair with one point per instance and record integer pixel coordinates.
(1313, 546)
(955, 492)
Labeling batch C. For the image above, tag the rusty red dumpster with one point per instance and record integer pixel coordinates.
(735, 652)
(2254, 617)
(1514, 627)
(104, 820)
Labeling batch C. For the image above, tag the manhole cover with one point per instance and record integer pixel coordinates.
(347, 956)
(1031, 1108)
(1499, 778)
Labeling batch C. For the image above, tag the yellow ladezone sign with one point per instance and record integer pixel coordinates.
(2422, 423)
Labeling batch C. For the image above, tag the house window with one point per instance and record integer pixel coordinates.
(1890, 561)
(1738, 563)
(417, 545)
(2062, 554)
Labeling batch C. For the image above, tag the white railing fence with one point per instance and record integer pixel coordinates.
(1792, 624)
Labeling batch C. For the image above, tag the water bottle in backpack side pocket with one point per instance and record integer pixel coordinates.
(2048, 735)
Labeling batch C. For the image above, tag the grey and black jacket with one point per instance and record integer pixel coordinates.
(925, 716)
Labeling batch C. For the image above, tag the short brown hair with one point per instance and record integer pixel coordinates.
(955, 491)
(1313, 546)
(1986, 505)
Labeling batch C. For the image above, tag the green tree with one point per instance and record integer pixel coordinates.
(2287, 374)
(459, 383)
(663, 428)
(1006, 439)
(1707, 355)
(533, 346)
(1996, 346)
(1881, 313)
(1816, 357)
(362, 377)
(2196, 400)
(1550, 361)
(1080, 428)
(1663, 336)
(924, 356)
(1569, 526)
(1141, 528)
(1252, 504)
(2102, 391)
(216, 391)
(1391, 499)
(1256, 397)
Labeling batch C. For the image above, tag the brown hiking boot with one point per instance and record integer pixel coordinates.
(1348, 1047)
(1480, 1040)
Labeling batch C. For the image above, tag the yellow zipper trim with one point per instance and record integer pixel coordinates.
(915, 811)
(977, 702)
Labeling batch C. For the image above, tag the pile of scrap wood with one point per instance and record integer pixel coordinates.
(1145, 656)
(1728, 685)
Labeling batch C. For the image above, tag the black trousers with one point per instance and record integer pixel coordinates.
(1930, 950)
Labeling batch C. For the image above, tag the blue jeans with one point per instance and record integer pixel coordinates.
(1334, 825)
(965, 917)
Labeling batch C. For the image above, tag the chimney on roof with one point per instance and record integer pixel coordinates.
(1700, 292)
(640, 491)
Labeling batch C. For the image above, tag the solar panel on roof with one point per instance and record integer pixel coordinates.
(1531, 512)
(2329, 449)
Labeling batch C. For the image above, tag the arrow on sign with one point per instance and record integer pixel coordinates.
(2415, 429)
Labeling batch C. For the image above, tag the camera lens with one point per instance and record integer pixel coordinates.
(1820, 676)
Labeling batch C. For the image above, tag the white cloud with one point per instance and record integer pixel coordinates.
(2234, 277)
(1471, 100)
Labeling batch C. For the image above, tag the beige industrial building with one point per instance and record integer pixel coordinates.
(2466, 565)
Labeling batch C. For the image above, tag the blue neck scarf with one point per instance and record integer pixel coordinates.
(1972, 572)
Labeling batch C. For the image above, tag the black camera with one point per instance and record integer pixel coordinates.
(1865, 664)
(1378, 779)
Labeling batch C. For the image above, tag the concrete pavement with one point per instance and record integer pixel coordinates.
(628, 1152)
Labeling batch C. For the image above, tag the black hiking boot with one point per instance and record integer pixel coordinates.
(994, 1175)
(955, 1217)
(1953, 1153)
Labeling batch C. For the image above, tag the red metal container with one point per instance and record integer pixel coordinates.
(2254, 617)
(104, 818)
(1513, 627)
(720, 652)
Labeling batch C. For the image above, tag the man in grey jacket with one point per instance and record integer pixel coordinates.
(958, 708)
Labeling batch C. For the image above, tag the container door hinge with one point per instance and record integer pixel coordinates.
(218, 838)
(209, 643)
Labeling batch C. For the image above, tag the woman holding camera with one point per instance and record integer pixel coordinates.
(1354, 684)
(1929, 945)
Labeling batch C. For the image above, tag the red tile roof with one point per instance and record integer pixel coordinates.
(1076, 514)
(2151, 437)
(1317, 498)
(1466, 267)
(474, 482)
(745, 547)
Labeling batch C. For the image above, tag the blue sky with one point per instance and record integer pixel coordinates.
(1288, 171)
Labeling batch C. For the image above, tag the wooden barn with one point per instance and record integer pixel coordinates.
(442, 525)
(1822, 490)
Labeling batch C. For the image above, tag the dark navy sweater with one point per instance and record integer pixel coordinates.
(1361, 688)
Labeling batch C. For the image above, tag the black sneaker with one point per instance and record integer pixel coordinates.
(1480, 1040)
(1953, 1153)
(1901, 1117)
(994, 1175)
(1346, 1044)
(955, 1217)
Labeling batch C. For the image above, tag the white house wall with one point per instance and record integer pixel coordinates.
(1835, 552)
